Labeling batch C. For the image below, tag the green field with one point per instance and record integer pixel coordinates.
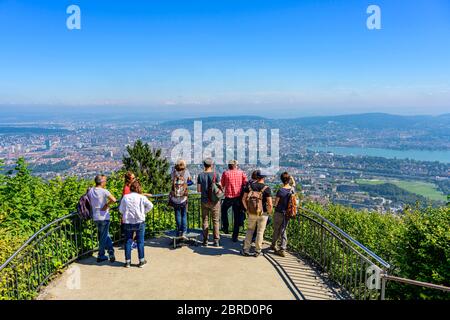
(426, 189)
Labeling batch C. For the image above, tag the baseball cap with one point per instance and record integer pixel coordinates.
(262, 173)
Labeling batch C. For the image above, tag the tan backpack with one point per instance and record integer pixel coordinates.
(292, 208)
(255, 201)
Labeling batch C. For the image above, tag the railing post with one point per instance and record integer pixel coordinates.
(321, 244)
(383, 286)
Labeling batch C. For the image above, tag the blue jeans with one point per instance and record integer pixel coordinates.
(181, 219)
(104, 239)
(130, 229)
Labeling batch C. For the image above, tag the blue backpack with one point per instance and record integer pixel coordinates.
(84, 207)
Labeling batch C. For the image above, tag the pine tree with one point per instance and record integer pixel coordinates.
(149, 166)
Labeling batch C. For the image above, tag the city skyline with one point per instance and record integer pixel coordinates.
(266, 58)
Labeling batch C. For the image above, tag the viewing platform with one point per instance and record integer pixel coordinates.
(192, 273)
(323, 263)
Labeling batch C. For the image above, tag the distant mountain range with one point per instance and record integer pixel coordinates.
(366, 120)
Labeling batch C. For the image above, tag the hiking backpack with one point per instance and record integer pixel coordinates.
(179, 189)
(215, 191)
(255, 201)
(84, 209)
(292, 207)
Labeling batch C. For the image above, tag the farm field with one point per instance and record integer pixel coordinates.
(426, 189)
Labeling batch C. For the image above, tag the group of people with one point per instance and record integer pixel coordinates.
(134, 205)
(248, 199)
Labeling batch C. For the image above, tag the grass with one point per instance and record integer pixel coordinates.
(426, 189)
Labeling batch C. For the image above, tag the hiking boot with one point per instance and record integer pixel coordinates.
(100, 260)
(245, 254)
(112, 259)
(142, 263)
(281, 253)
(216, 243)
(205, 243)
(127, 264)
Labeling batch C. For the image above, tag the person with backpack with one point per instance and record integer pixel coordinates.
(232, 182)
(257, 201)
(100, 200)
(134, 207)
(208, 184)
(285, 208)
(178, 197)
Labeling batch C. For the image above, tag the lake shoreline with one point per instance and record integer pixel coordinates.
(442, 156)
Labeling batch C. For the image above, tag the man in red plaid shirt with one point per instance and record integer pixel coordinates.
(232, 182)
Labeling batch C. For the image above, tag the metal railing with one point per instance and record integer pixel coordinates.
(69, 238)
(357, 271)
(340, 258)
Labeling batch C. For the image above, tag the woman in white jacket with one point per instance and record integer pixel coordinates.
(134, 207)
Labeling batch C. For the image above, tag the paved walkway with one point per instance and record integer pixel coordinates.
(191, 273)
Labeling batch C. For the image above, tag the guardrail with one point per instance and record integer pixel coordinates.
(358, 272)
(69, 238)
(340, 258)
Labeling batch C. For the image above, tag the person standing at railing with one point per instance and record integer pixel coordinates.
(100, 200)
(280, 221)
(129, 179)
(178, 197)
(257, 201)
(206, 182)
(134, 207)
(232, 182)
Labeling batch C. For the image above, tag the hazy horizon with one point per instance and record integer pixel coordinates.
(107, 112)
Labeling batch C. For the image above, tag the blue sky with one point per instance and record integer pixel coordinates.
(237, 56)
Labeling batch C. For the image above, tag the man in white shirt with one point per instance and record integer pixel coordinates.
(134, 207)
(101, 199)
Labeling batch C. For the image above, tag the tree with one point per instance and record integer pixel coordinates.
(149, 166)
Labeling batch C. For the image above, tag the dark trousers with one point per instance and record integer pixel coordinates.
(181, 220)
(130, 229)
(234, 204)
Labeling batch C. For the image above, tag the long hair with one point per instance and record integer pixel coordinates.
(136, 187)
(129, 178)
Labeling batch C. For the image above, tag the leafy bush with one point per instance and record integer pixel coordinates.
(416, 244)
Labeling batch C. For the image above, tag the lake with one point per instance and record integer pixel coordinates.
(421, 155)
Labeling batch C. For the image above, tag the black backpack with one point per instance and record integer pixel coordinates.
(84, 208)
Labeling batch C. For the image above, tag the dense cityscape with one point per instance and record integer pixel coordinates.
(83, 149)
